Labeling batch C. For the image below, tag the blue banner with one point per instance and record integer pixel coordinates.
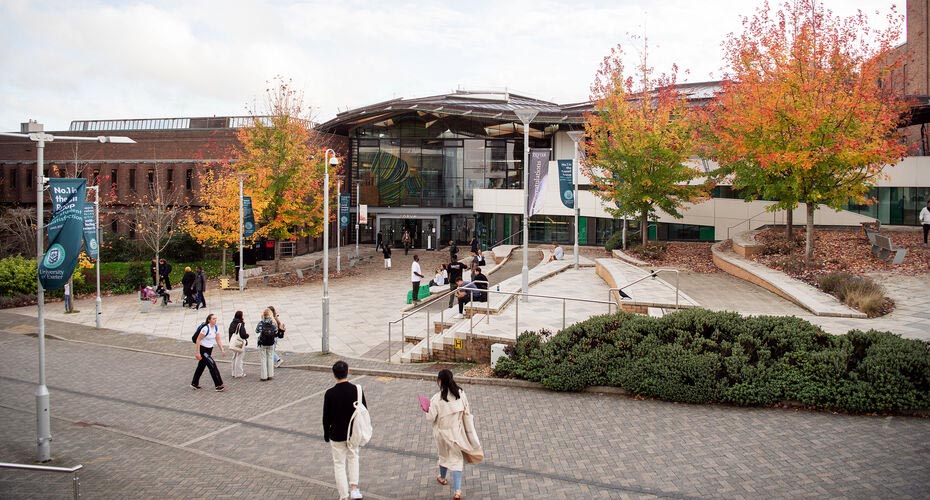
(566, 183)
(344, 201)
(90, 232)
(64, 232)
(248, 217)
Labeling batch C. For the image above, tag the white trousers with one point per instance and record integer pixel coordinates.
(387, 263)
(238, 370)
(266, 357)
(343, 455)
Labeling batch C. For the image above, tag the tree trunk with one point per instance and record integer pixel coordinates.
(789, 223)
(809, 241)
(277, 256)
(624, 233)
(645, 229)
(223, 272)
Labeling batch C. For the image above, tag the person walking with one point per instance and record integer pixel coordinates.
(405, 239)
(187, 285)
(455, 269)
(200, 285)
(386, 251)
(447, 409)
(237, 329)
(475, 246)
(378, 242)
(207, 339)
(278, 359)
(267, 331)
(416, 274)
(338, 407)
(164, 271)
(925, 220)
(453, 251)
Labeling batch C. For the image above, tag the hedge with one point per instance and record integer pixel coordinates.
(701, 356)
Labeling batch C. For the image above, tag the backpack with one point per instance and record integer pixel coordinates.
(360, 423)
(197, 332)
(266, 333)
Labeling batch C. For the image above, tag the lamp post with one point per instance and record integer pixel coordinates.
(36, 133)
(98, 302)
(242, 177)
(338, 225)
(358, 214)
(575, 136)
(334, 162)
(526, 116)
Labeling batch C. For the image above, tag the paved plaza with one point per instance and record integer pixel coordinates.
(121, 406)
(141, 432)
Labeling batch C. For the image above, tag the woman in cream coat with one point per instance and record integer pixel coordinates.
(445, 413)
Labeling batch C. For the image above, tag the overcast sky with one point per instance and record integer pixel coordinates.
(81, 60)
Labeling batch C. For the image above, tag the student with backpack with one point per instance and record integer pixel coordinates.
(346, 427)
(205, 338)
(267, 331)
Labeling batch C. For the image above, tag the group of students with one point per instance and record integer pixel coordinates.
(448, 411)
(268, 331)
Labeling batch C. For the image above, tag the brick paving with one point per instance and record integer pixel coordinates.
(141, 432)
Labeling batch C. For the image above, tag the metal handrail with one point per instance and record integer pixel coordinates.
(75, 481)
(471, 324)
(511, 235)
(749, 220)
(652, 274)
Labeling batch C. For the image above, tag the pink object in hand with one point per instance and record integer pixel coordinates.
(424, 402)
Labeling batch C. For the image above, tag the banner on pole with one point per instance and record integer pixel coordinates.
(64, 232)
(248, 217)
(344, 201)
(91, 247)
(566, 183)
(362, 214)
(539, 170)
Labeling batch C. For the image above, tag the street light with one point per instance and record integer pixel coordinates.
(98, 302)
(242, 177)
(575, 136)
(36, 133)
(339, 225)
(334, 162)
(526, 116)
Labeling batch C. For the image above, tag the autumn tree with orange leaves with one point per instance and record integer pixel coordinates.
(802, 118)
(282, 159)
(639, 138)
(216, 223)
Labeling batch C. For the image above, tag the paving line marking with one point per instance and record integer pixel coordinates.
(269, 470)
(260, 415)
(385, 449)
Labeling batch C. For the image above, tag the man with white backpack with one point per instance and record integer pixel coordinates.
(346, 427)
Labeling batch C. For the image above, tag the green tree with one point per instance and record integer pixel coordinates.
(639, 138)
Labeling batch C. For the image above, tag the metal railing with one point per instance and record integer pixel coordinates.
(506, 238)
(471, 317)
(749, 221)
(75, 481)
(652, 274)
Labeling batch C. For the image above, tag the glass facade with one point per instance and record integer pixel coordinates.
(894, 205)
(411, 162)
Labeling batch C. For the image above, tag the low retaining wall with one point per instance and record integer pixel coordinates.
(745, 245)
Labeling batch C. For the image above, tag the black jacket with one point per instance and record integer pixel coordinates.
(244, 332)
(338, 410)
(187, 281)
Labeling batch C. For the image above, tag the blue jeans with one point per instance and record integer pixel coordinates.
(456, 478)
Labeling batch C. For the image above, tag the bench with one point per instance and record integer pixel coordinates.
(265, 277)
(884, 250)
(362, 259)
(870, 234)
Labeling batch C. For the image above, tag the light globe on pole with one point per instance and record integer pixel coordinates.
(526, 116)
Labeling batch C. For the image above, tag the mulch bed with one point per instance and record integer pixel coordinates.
(844, 250)
(695, 257)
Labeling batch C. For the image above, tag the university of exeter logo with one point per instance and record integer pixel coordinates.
(55, 256)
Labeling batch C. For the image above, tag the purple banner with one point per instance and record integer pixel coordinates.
(539, 169)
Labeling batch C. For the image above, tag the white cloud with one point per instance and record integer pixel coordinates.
(97, 60)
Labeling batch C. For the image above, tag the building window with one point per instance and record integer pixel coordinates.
(113, 225)
(96, 177)
(170, 179)
(132, 180)
(189, 179)
(28, 178)
(151, 176)
(14, 175)
(132, 230)
(113, 179)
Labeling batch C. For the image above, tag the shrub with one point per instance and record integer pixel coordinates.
(183, 248)
(650, 251)
(119, 248)
(137, 273)
(18, 275)
(859, 293)
(700, 356)
(614, 242)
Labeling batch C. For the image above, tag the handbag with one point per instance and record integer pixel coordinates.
(476, 454)
(237, 343)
